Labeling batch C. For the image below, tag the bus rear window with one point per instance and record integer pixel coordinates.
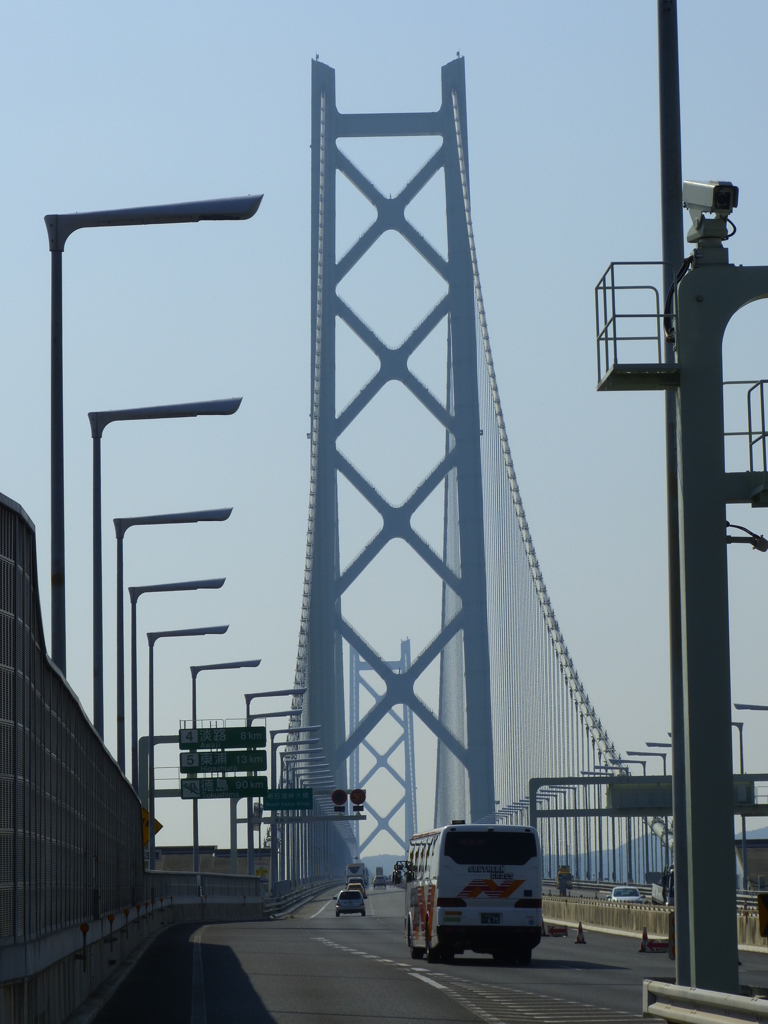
(490, 847)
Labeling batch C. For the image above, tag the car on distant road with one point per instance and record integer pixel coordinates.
(350, 901)
(379, 881)
(357, 885)
(626, 894)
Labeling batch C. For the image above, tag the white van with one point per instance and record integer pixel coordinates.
(474, 887)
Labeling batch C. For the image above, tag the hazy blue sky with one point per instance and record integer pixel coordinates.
(123, 104)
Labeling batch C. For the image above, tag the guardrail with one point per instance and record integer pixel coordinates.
(602, 890)
(699, 1005)
(279, 904)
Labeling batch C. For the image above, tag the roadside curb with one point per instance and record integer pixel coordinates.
(296, 906)
(633, 935)
(604, 929)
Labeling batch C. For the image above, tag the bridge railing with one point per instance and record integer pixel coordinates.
(70, 823)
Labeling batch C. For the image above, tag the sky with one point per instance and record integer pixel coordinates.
(115, 105)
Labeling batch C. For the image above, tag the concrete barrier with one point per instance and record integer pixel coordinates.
(630, 919)
(677, 1003)
(50, 995)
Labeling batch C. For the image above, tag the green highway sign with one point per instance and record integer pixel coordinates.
(223, 761)
(217, 739)
(288, 800)
(211, 789)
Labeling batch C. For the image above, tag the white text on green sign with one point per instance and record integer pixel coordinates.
(223, 761)
(212, 789)
(288, 800)
(230, 736)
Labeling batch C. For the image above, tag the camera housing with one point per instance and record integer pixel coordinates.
(714, 197)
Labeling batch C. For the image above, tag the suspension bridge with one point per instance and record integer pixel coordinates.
(509, 705)
(515, 735)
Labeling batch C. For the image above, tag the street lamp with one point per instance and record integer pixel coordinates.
(295, 730)
(100, 420)
(744, 878)
(293, 691)
(135, 593)
(196, 670)
(650, 753)
(152, 639)
(211, 515)
(744, 875)
(60, 227)
(249, 718)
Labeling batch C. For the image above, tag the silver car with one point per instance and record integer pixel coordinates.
(626, 894)
(350, 901)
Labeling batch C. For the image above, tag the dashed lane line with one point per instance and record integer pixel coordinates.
(429, 981)
(500, 1005)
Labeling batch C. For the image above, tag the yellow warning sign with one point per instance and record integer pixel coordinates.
(145, 825)
(762, 910)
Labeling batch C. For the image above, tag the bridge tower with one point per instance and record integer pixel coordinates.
(403, 737)
(461, 567)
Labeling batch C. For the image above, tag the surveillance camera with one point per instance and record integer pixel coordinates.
(702, 197)
(718, 197)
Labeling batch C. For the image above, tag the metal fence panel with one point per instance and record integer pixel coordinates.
(70, 823)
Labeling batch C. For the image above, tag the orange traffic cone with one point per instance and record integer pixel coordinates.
(644, 942)
(580, 940)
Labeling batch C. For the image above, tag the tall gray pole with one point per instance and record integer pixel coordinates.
(134, 699)
(151, 788)
(673, 254)
(195, 818)
(120, 654)
(58, 603)
(744, 875)
(98, 604)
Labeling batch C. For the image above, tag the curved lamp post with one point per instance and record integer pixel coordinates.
(152, 639)
(195, 671)
(210, 515)
(294, 730)
(60, 227)
(100, 420)
(249, 718)
(134, 594)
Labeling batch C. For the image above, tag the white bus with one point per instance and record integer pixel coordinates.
(474, 887)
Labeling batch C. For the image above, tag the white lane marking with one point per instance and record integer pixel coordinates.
(198, 1014)
(428, 981)
(317, 912)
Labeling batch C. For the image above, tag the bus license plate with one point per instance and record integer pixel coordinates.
(490, 919)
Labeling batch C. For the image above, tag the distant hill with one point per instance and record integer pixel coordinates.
(382, 860)
(755, 833)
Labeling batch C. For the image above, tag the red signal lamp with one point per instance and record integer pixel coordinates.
(339, 799)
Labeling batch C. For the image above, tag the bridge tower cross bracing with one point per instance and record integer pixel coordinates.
(403, 737)
(323, 625)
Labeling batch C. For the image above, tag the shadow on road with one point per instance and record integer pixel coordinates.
(159, 989)
(229, 994)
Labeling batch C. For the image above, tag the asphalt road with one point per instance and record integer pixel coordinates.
(312, 966)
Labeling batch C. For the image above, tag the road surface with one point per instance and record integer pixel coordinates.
(313, 967)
